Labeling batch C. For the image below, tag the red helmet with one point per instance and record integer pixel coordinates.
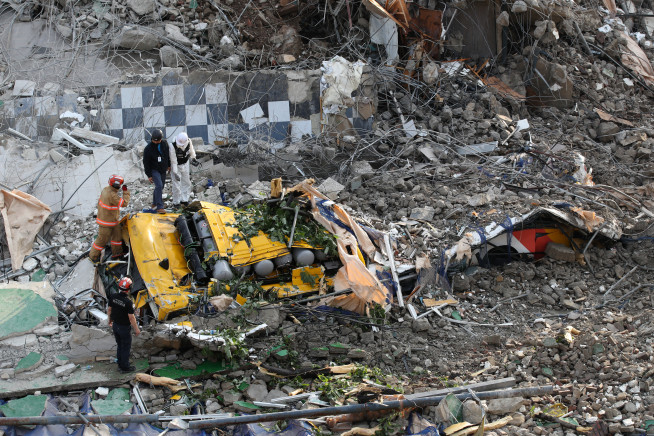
(125, 284)
(115, 181)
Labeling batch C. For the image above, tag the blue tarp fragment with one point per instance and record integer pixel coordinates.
(294, 428)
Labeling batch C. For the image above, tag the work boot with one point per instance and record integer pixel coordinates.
(130, 368)
(161, 210)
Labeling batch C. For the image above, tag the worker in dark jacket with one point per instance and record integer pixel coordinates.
(156, 163)
(122, 320)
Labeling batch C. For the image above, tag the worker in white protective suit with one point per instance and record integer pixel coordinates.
(181, 154)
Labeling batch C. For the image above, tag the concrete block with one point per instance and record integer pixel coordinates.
(20, 341)
(29, 362)
(47, 330)
(331, 188)
(65, 370)
(560, 252)
(504, 406)
(86, 343)
(24, 88)
(61, 360)
(422, 213)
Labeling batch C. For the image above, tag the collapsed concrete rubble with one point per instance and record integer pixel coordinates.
(486, 168)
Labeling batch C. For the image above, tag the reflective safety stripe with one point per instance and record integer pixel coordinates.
(116, 242)
(97, 247)
(106, 223)
(104, 206)
(120, 203)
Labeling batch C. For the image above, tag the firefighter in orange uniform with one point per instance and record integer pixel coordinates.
(108, 213)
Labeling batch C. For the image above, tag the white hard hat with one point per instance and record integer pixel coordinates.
(182, 139)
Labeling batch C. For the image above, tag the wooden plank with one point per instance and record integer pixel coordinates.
(608, 117)
(490, 385)
(431, 302)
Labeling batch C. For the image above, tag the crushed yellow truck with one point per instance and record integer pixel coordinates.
(296, 243)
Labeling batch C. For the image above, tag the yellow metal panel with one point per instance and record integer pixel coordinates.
(239, 252)
(298, 286)
(557, 236)
(153, 239)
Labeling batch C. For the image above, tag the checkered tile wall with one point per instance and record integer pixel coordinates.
(253, 105)
(36, 116)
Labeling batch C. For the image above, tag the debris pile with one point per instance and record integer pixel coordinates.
(481, 220)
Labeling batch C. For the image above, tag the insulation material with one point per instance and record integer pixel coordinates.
(583, 176)
(24, 216)
(339, 79)
(462, 249)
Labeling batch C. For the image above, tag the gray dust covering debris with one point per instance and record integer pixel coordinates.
(445, 203)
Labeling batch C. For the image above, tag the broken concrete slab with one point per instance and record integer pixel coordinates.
(23, 309)
(422, 213)
(257, 391)
(79, 279)
(362, 168)
(64, 370)
(87, 343)
(48, 330)
(29, 362)
(560, 252)
(39, 371)
(331, 188)
(100, 374)
(503, 406)
(32, 405)
(98, 137)
(137, 39)
(61, 360)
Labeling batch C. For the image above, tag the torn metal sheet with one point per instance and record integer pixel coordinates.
(209, 339)
(23, 216)
(486, 147)
(515, 235)
(367, 290)
(427, 24)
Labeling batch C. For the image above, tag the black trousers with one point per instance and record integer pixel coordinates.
(123, 335)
